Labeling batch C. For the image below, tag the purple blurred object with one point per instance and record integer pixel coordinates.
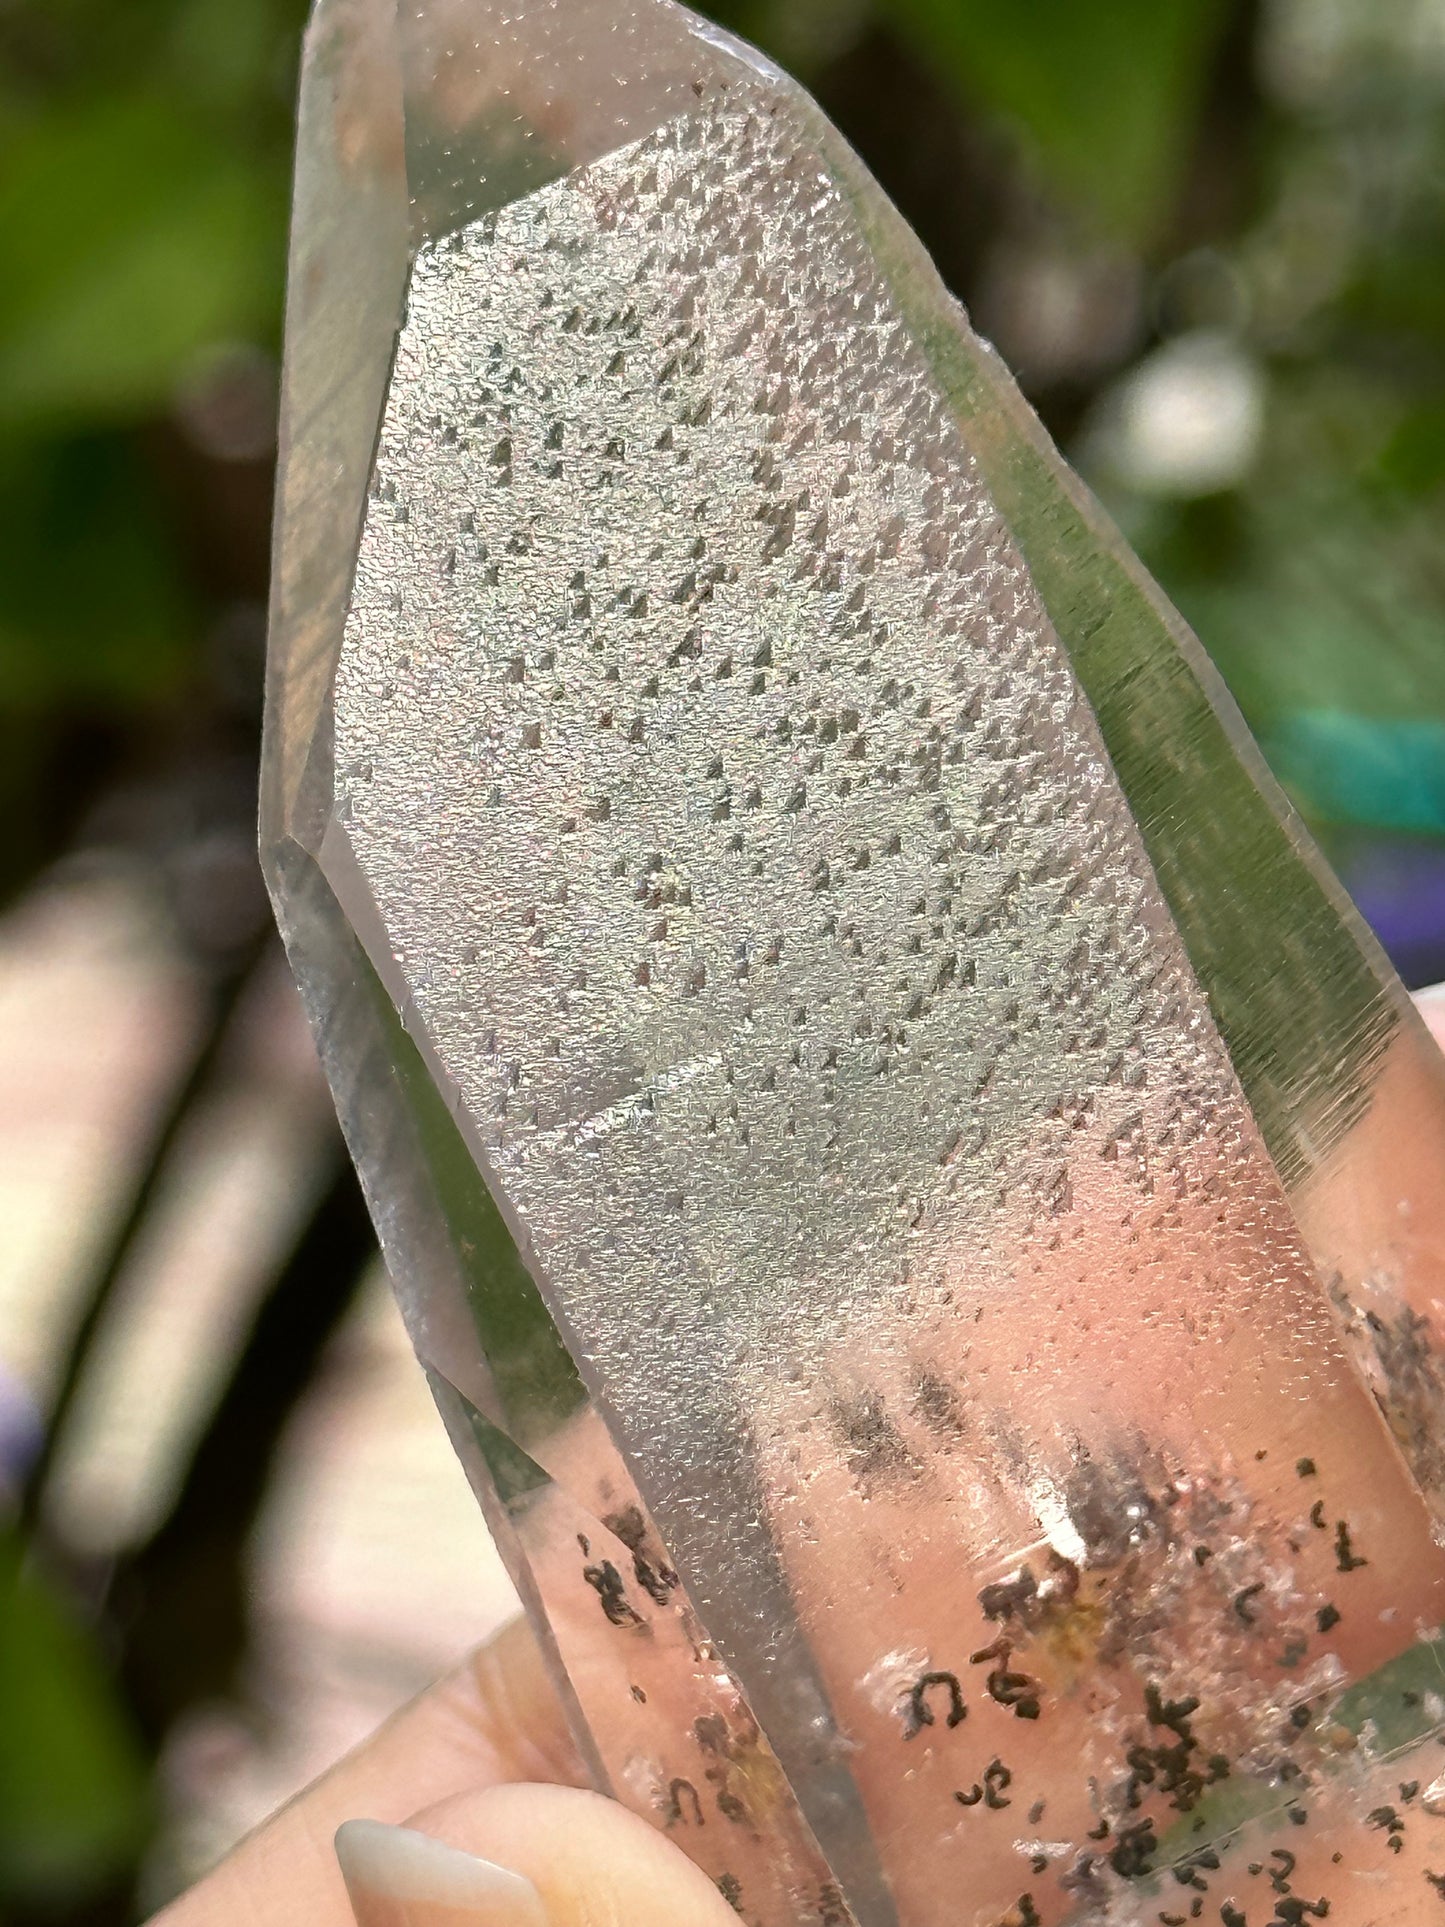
(1399, 885)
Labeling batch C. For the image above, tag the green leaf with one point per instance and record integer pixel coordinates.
(130, 238)
(1105, 92)
(74, 1797)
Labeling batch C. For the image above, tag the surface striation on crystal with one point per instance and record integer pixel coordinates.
(916, 1194)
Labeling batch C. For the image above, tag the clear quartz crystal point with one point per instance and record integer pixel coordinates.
(919, 1199)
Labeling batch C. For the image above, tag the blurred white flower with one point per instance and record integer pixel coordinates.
(1187, 420)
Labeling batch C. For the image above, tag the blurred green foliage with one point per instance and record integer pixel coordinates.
(75, 1798)
(170, 244)
(96, 606)
(1120, 189)
(144, 165)
(1103, 99)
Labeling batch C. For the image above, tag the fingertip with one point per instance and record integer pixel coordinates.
(592, 1862)
(400, 1877)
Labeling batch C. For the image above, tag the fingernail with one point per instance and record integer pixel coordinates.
(397, 1877)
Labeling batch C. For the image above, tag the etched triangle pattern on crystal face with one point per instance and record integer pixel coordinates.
(914, 1187)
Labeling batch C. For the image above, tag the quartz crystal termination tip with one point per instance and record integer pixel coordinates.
(827, 1005)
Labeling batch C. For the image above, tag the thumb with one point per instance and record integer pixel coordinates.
(524, 1856)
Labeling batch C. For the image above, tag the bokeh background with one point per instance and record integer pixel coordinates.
(1209, 235)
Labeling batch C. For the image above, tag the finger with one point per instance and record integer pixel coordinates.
(525, 1856)
(1431, 1005)
(398, 1877)
(497, 1718)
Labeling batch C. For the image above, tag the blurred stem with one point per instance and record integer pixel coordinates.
(226, 993)
(1221, 185)
(180, 1603)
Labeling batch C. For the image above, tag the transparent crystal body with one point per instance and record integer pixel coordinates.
(919, 1199)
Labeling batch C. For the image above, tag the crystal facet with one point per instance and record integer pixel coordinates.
(918, 1198)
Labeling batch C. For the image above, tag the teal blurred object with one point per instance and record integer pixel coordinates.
(1375, 789)
(1359, 770)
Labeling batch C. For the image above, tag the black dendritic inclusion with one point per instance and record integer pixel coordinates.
(1172, 1573)
(1407, 1374)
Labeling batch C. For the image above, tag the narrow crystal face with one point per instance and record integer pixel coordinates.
(914, 1191)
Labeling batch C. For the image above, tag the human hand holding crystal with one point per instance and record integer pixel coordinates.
(474, 1816)
(471, 1805)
